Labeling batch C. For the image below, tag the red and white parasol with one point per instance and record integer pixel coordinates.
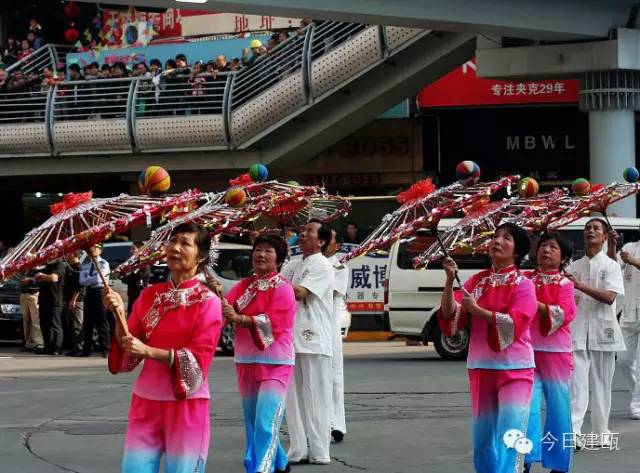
(80, 221)
(422, 207)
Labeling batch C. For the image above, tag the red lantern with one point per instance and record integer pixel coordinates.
(72, 10)
(71, 34)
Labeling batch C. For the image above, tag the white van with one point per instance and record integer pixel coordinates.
(412, 297)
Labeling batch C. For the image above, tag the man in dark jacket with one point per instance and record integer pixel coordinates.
(50, 301)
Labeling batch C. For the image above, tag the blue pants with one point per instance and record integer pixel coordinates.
(551, 383)
(499, 403)
(263, 389)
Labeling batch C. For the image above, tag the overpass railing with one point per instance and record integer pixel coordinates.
(204, 111)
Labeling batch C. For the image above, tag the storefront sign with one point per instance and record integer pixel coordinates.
(547, 143)
(461, 87)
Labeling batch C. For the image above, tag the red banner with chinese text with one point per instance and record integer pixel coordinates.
(461, 87)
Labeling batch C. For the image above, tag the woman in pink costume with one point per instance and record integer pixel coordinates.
(500, 304)
(175, 327)
(262, 308)
(551, 340)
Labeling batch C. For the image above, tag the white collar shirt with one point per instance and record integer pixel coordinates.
(596, 326)
(314, 318)
(630, 304)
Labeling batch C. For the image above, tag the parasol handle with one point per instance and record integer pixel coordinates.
(604, 214)
(121, 317)
(444, 250)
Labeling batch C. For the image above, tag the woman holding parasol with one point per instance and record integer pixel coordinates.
(174, 328)
(262, 308)
(551, 341)
(500, 303)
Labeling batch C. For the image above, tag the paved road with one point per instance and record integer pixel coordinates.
(407, 412)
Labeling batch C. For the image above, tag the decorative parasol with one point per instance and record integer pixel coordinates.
(424, 206)
(541, 213)
(80, 221)
(287, 204)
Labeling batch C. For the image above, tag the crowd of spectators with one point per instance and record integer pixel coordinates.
(173, 88)
(17, 49)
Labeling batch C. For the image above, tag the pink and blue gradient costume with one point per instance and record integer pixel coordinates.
(551, 340)
(264, 359)
(169, 411)
(500, 362)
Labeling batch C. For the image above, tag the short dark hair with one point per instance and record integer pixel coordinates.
(521, 240)
(324, 233)
(181, 57)
(155, 61)
(605, 226)
(202, 240)
(277, 243)
(352, 223)
(338, 236)
(170, 63)
(565, 248)
(74, 67)
(105, 67)
(94, 65)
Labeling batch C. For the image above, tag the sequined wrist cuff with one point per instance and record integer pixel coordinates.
(262, 331)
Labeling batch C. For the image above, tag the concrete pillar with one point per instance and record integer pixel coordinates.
(611, 99)
(612, 149)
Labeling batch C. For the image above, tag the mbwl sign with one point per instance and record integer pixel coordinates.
(533, 142)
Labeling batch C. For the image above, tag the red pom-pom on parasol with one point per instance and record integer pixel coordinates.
(478, 208)
(241, 180)
(417, 191)
(70, 201)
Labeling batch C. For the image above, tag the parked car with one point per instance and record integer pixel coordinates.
(10, 311)
(412, 297)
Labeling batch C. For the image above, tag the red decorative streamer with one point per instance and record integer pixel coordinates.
(417, 191)
(70, 201)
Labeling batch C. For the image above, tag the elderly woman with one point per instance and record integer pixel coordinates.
(500, 304)
(551, 341)
(262, 308)
(174, 328)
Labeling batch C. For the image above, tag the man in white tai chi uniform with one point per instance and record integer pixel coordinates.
(308, 404)
(596, 333)
(629, 360)
(341, 273)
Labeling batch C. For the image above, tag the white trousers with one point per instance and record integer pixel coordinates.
(338, 421)
(592, 369)
(308, 405)
(629, 361)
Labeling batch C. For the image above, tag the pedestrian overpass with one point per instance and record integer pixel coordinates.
(309, 92)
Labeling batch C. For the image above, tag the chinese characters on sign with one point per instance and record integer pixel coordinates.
(529, 88)
(461, 87)
(366, 286)
(360, 276)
